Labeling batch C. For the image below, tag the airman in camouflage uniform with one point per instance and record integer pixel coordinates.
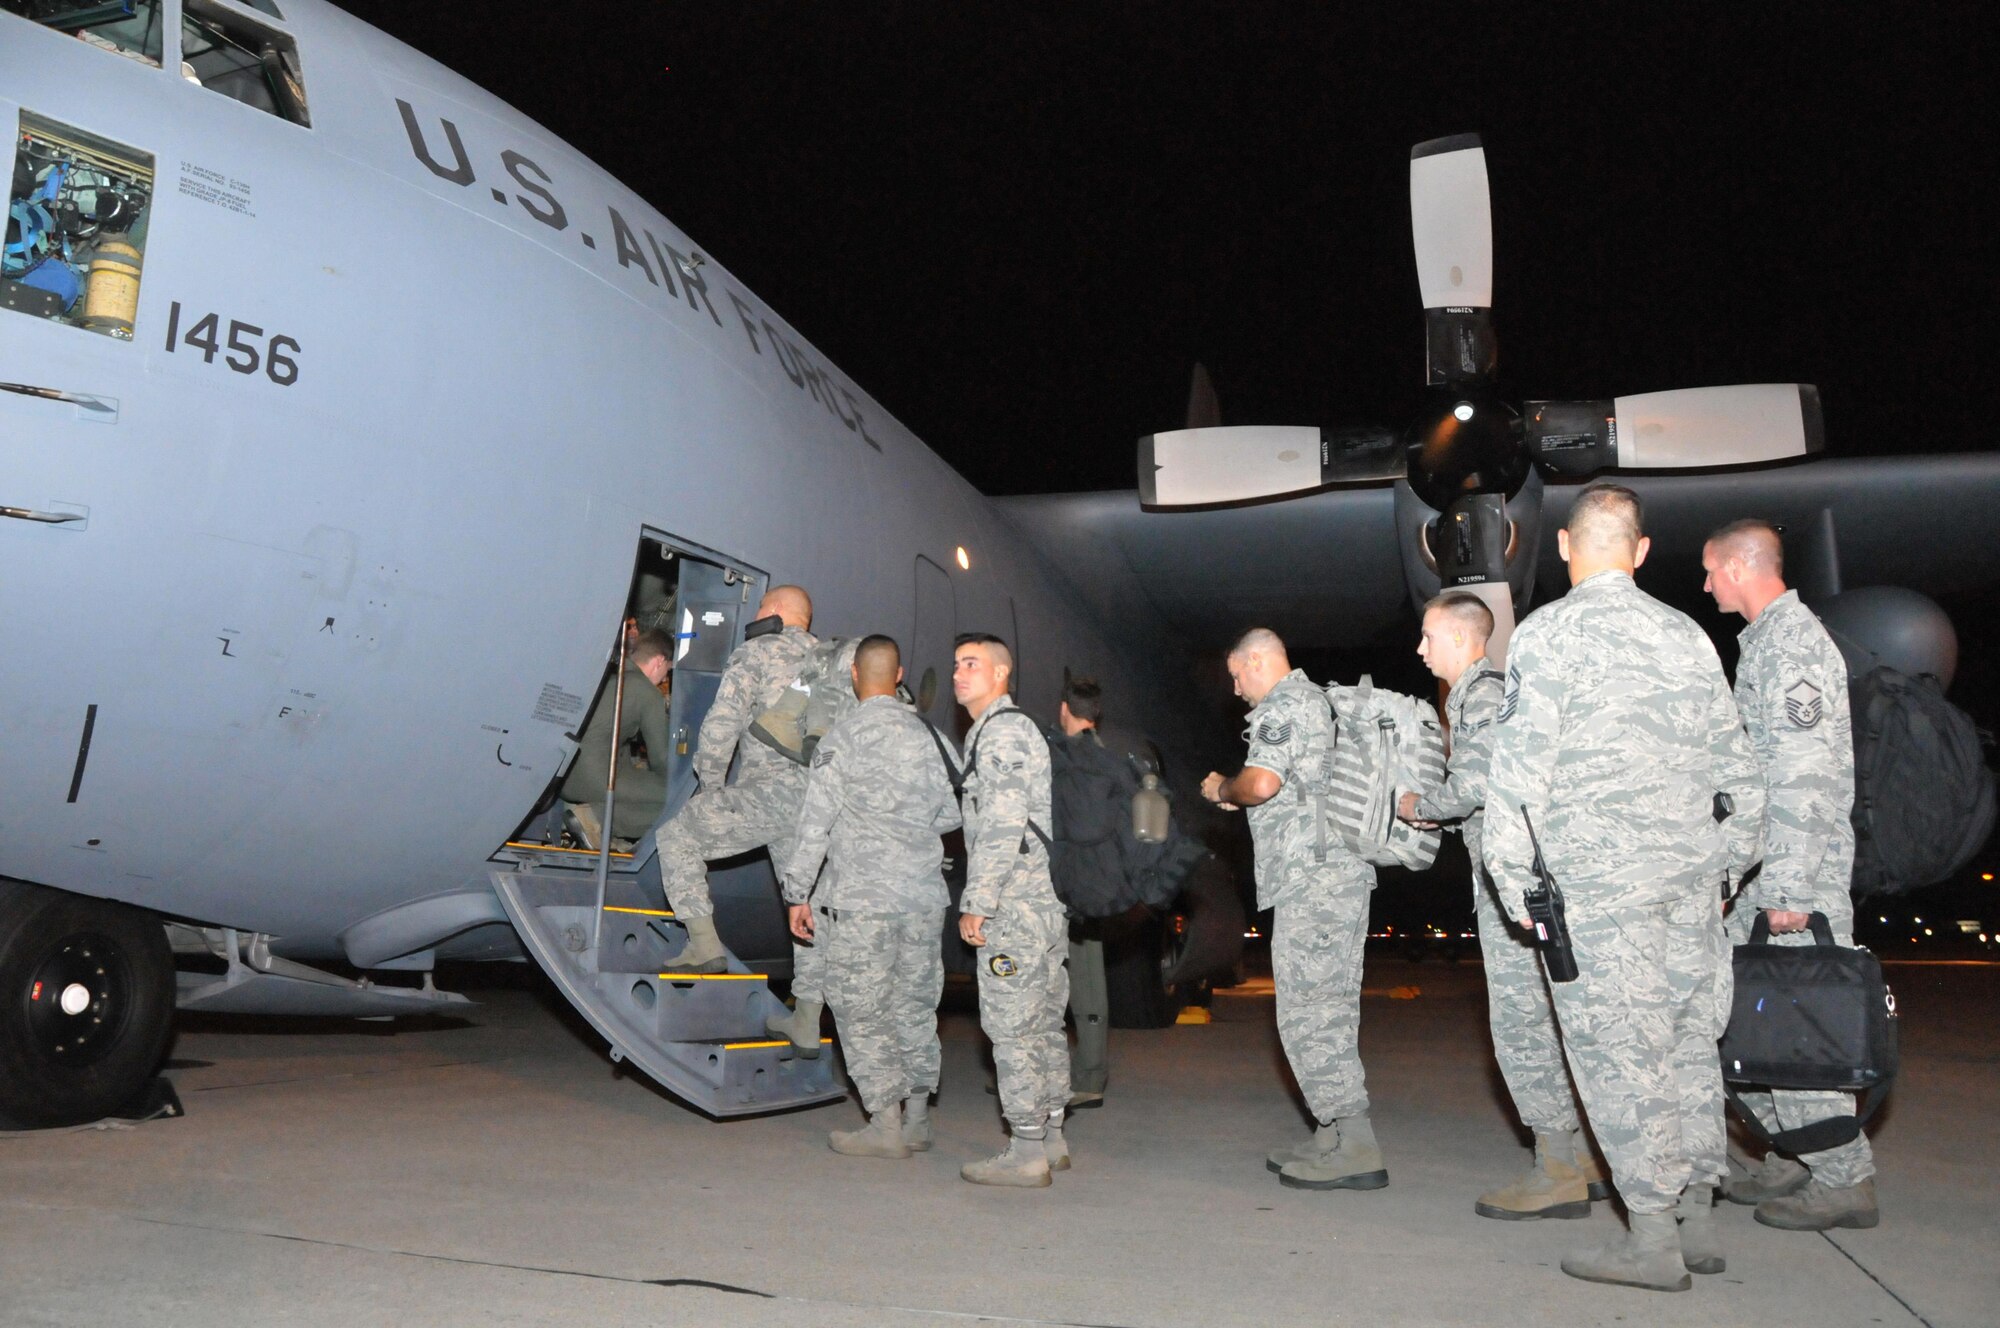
(1010, 912)
(1319, 890)
(1565, 1176)
(1791, 687)
(877, 800)
(761, 809)
(1617, 732)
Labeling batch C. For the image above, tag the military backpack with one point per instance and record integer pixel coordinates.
(819, 694)
(1923, 795)
(1384, 743)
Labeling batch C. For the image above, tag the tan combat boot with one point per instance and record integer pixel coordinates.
(917, 1132)
(1701, 1241)
(1552, 1187)
(704, 951)
(1648, 1257)
(1355, 1164)
(1323, 1140)
(1818, 1207)
(881, 1137)
(1056, 1148)
(1774, 1178)
(1025, 1165)
(801, 1026)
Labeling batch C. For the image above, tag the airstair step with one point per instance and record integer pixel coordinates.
(701, 1035)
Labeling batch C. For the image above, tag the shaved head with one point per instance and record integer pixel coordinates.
(1263, 641)
(1606, 519)
(878, 666)
(790, 603)
(1257, 663)
(1753, 542)
(1463, 610)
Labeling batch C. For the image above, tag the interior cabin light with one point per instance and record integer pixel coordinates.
(965, 562)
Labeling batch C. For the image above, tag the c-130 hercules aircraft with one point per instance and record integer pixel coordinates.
(345, 411)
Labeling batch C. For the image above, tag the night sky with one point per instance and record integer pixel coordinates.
(1019, 225)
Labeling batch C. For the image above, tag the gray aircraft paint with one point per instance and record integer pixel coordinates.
(335, 631)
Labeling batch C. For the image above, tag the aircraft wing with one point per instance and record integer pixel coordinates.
(1323, 570)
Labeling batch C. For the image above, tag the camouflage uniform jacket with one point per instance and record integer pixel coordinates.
(757, 674)
(1617, 732)
(1291, 734)
(1007, 784)
(1791, 687)
(877, 800)
(1470, 710)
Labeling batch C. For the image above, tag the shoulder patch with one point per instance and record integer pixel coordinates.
(1804, 704)
(1513, 701)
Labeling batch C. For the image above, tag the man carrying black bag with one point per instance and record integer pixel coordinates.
(1791, 687)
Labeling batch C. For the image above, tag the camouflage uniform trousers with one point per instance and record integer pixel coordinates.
(1640, 1025)
(884, 977)
(1023, 990)
(721, 823)
(1526, 1041)
(1789, 1108)
(1317, 935)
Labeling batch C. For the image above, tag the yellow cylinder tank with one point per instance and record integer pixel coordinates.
(111, 291)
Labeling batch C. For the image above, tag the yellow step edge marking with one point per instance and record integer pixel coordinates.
(643, 912)
(781, 1042)
(551, 848)
(714, 977)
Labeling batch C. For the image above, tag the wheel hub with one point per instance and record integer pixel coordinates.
(79, 998)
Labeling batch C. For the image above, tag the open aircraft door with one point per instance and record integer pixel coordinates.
(608, 941)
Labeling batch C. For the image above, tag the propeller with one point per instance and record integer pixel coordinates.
(1468, 491)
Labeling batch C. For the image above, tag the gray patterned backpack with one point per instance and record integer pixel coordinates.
(1384, 743)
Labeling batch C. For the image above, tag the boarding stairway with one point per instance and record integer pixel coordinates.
(701, 1036)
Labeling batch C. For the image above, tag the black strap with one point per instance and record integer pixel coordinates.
(972, 763)
(952, 772)
(1818, 1136)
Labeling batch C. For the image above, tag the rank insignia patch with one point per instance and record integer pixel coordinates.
(1003, 966)
(1513, 700)
(1275, 732)
(1804, 705)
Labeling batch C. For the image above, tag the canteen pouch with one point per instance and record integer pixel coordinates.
(1812, 1017)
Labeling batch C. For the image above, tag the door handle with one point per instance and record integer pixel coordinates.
(52, 394)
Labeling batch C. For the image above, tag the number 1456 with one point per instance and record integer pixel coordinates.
(243, 346)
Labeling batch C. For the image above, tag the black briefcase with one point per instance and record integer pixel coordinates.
(1810, 1016)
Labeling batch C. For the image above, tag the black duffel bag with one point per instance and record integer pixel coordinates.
(1809, 1016)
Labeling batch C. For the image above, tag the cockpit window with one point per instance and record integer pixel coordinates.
(229, 53)
(131, 28)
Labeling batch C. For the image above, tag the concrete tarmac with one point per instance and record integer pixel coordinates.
(498, 1170)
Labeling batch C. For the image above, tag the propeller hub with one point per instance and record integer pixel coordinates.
(1465, 440)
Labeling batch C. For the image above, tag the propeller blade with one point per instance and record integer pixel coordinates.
(1204, 410)
(1236, 463)
(1451, 218)
(1688, 428)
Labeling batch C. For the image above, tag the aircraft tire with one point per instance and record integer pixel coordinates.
(86, 1005)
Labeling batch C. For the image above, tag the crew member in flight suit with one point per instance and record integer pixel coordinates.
(642, 791)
